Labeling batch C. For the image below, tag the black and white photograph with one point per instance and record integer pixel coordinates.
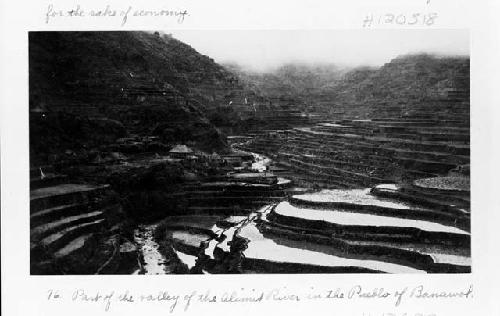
(249, 151)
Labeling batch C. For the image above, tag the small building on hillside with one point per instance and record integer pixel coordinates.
(232, 160)
(180, 152)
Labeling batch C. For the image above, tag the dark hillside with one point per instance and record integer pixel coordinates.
(144, 83)
(91, 64)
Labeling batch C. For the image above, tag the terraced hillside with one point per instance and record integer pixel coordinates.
(408, 119)
(390, 177)
(76, 228)
(367, 201)
(407, 86)
(91, 88)
(91, 68)
(357, 153)
(131, 83)
(410, 213)
(131, 171)
(330, 231)
(403, 86)
(351, 234)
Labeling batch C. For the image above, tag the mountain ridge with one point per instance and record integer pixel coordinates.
(409, 78)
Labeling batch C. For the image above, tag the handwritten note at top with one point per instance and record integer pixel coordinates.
(420, 18)
(416, 19)
(123, 15)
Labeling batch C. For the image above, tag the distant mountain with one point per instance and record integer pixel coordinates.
(410, 76)
(293, 81)
(403, 85)
(399, 86)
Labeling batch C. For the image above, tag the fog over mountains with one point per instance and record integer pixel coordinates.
(267, 50)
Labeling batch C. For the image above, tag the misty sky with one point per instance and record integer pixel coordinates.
(264, 49)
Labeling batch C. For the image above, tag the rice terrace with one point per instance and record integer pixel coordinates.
(159, 153)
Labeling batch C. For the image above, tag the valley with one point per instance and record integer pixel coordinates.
(147, 157)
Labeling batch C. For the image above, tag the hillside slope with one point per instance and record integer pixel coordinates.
(402, 86)
(397, 88)
(291, 83)
(135, 82)
(94, 64)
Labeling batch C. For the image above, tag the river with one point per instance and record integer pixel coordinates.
(155, 263)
